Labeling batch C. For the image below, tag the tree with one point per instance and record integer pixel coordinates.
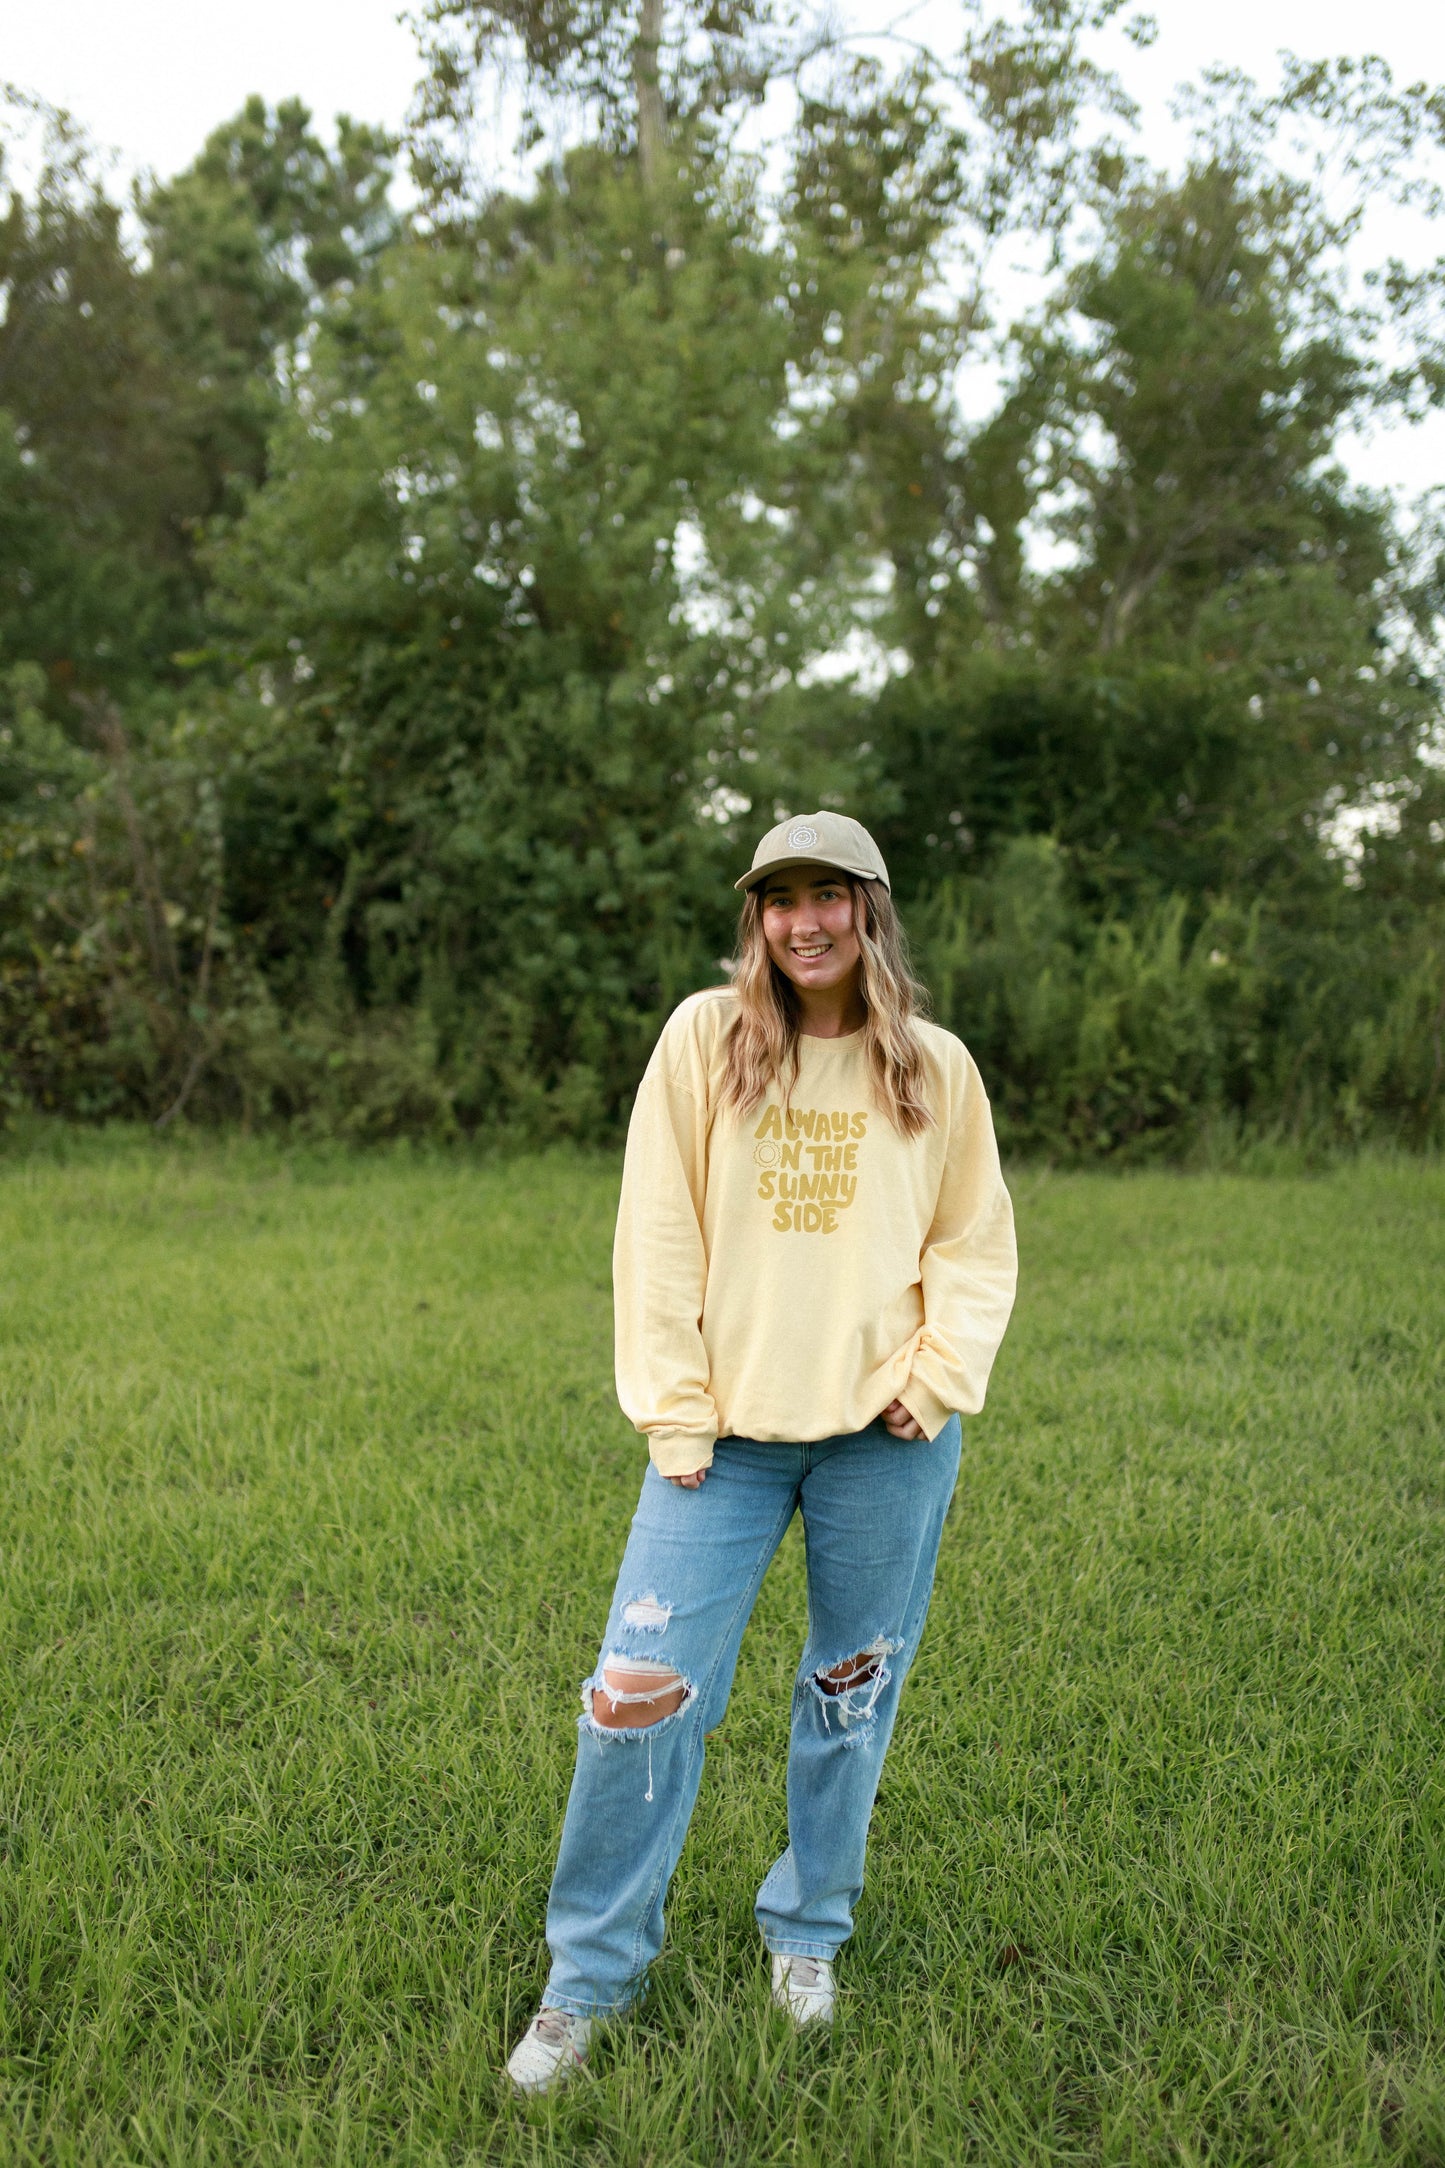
(245, 247)
(1200, 415)
(140, 392)
(99, 483)
(1225, 655)
(636, 76)
(506, 577)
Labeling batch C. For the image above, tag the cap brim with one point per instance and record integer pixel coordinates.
(782, 865)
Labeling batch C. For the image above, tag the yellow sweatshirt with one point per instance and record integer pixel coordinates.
(786, 1276)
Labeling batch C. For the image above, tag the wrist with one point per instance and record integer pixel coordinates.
(680, 1452)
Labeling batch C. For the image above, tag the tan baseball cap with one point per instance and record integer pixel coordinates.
(817, 839)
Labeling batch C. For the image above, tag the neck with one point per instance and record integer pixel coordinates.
(832, 1012)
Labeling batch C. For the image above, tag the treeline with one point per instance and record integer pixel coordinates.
(407, 619)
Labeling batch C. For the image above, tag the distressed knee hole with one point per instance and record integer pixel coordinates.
(632, 1694)
(853, 1671)
(849, 1691)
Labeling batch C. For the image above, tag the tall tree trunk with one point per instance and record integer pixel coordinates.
(651, 119)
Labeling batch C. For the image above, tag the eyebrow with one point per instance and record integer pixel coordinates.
(785, 888)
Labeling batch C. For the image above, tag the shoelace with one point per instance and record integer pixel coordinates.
(554, 2028)
(805, 1972)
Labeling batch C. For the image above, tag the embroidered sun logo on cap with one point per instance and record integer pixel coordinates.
(802, 838)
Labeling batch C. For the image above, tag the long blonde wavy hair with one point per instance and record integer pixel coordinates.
(763, 1043)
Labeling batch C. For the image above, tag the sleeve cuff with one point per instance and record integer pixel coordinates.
(925, 1407)
(680, 1452)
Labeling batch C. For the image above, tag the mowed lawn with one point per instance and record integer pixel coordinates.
(312, 1487)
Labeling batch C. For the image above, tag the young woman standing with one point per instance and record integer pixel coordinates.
(813, 1270)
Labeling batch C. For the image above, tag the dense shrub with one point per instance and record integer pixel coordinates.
(127, 987)
(1135, 1035)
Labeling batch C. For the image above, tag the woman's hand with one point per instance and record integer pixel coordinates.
(694, 1481)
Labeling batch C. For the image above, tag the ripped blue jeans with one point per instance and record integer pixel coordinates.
(873, 1511)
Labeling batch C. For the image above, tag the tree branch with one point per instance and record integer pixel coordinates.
(651, 116)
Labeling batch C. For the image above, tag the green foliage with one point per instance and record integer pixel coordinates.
(96, 480)
(1152, 773)
(51, 990)
(545, 530)
(136, 395)
(1160, 1032)
(1217, 407)
(245, 247)
(119, 980)
(313, 1492)
(409, 621)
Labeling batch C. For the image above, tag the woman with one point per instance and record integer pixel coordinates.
(813, 1270)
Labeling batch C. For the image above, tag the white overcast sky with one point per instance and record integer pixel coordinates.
(151, 78)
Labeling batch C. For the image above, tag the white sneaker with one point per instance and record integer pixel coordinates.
(803, 1986)
(551, 2050)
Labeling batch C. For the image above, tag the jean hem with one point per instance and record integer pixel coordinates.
(585, 2006)
(826, 1952)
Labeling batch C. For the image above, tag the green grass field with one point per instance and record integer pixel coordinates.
(311, 1494)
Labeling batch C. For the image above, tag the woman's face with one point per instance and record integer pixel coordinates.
(809, 927)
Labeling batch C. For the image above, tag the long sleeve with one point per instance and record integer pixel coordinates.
(969, 1268)
(659, 1269)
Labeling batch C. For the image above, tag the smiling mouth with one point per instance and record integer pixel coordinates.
(814, 950)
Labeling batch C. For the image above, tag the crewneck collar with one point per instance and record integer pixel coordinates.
(845, 1038)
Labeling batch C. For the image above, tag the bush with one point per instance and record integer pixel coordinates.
(1131, 1035)
(147, 970)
